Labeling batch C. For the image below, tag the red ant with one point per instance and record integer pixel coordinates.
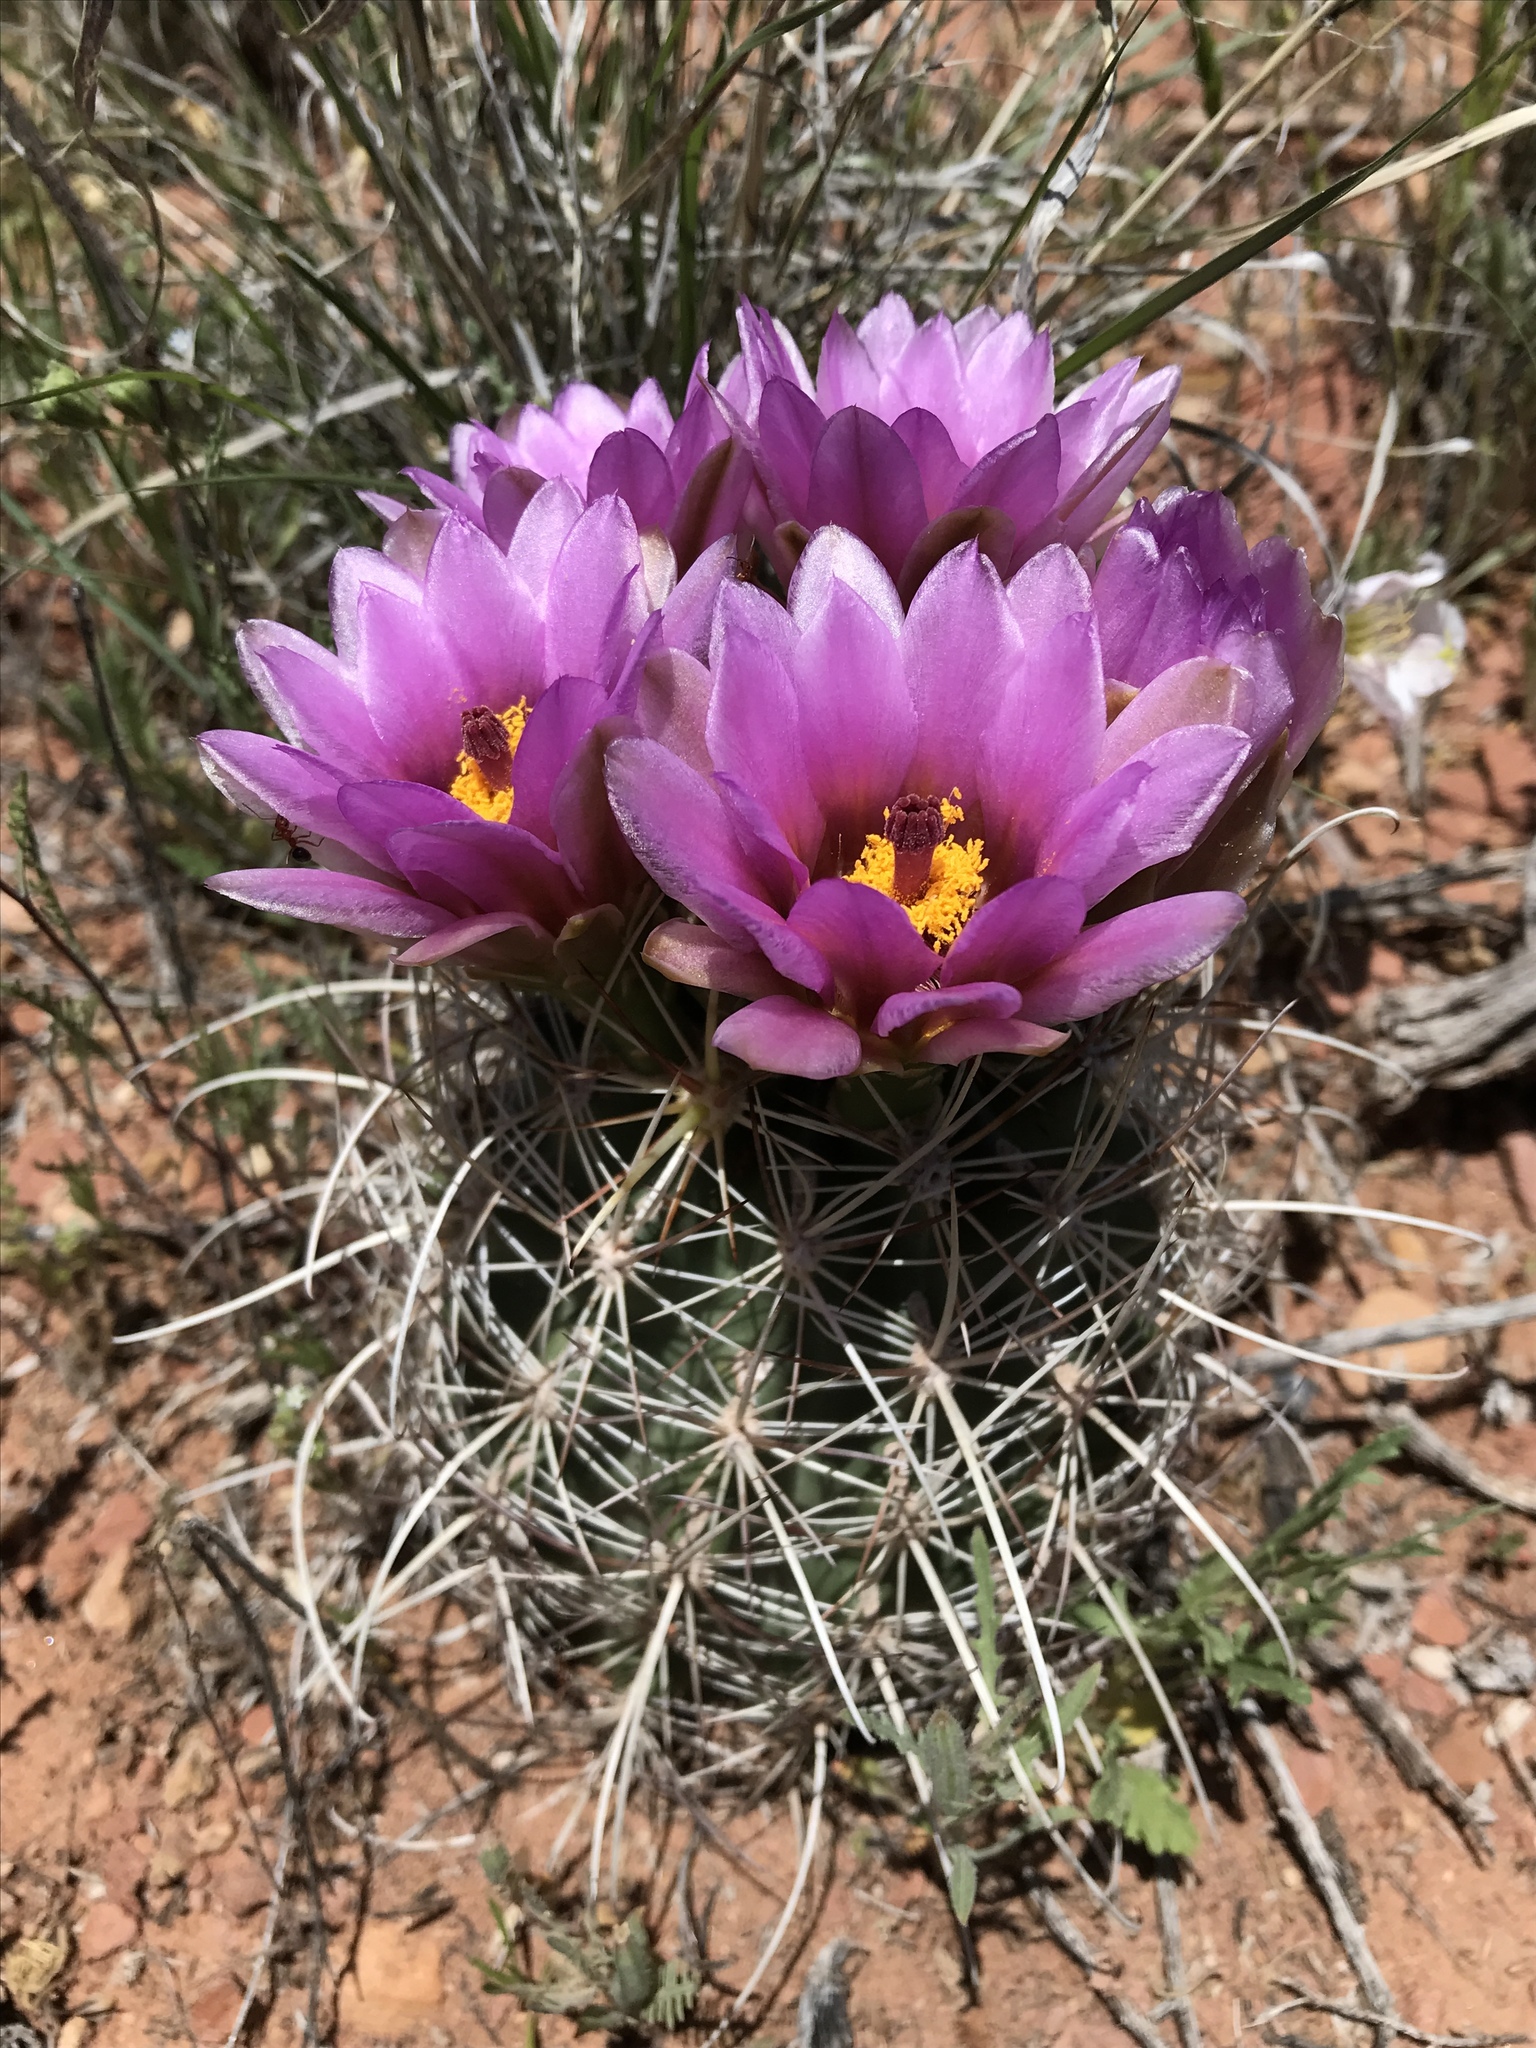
(298, 843)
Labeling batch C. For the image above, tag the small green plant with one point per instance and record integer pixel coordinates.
(1139, 1800)
(1213, 1633)
(606, 1980)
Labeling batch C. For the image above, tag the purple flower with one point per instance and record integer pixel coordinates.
(685, 479)
(917, 438)
(1182, 602)
(441, 777)
(893, 828)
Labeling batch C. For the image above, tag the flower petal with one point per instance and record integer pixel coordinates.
(1152, 809)
(675, 823)
(556, 726)
(323, 897)
(973, 1035)
(939, 468)
(464, 932)
(844, 373)
(867, 940)
(858, 725)
(930, 372)
(489, 867)
(886, 331)
(780, 872)
(1153, 943)
(687, 617)
(972, 998)
(864, 478)
(672, 704)
(834, 556)
(708, 508)
(697, 957)
(1010, 380)
(597, 599)
(1087, 502)
(781, 1035)
(371, 811)
(595, 853)
(753, 724)
(1020, 478)
(266, 776)
(1012, 936)
(508, 494)
(487, 620)
(541, 533)
(789, 430)
(1197, 692)
(632, 467)
(1042, 748)
(958, 635)
(309, 696)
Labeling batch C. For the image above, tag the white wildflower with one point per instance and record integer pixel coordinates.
(1402, 645)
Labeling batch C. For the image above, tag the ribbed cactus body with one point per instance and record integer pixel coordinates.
(737, 1366)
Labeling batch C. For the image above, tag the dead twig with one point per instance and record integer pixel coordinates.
(1064, 1930)
(1459, 1034)
(198, 1535)
(1428, 1448)
(1175, 1976)
(1274, 1775)
(1124, 2014)
(1519, 1769)
(1445, 1322)
(1332, 1665)
(1070, 1938)
(1315, 2002)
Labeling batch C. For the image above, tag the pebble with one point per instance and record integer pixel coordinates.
(213, 2011)
(1505, 1663)
(123, 1518)
(106, 1928)
(1393, 1305)
(1435, 1620)
(1511, 1722)
(110, 1606)
(1423, 1695)
(1313, 1772)
(1433, 1660)
(1462, 1754)
(192, 1776)
(395, 1982)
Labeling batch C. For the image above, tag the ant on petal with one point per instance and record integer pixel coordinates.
(298, 843)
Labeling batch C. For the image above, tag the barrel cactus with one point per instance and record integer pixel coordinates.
(796, 805)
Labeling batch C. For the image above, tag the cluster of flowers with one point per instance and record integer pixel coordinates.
(987, 766)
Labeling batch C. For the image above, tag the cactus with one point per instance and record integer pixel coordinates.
(729, 1372)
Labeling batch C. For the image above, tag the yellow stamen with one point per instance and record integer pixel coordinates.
(470, 785)
(955, 882)
(1385, 627)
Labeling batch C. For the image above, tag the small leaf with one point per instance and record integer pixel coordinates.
(636, 1976)
(962, 1882)
(1074, 1701)
(941, 1751)
(674, 1998)
(1145, 1808)
(986, 1610)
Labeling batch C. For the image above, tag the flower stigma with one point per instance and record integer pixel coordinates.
(938, 880)
(484, 780)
